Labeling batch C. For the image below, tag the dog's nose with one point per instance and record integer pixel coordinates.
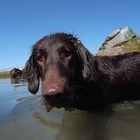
(52, 92)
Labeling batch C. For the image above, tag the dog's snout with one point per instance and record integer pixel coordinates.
(53, 96)
(54, 84)
(52, 91)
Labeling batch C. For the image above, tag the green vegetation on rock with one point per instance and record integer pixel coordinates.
(132, 45)
(120, 41)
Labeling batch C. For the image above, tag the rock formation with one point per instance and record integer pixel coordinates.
(120, 41)
(15, 73)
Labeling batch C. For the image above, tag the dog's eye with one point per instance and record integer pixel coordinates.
(40, 58)
(67, 53)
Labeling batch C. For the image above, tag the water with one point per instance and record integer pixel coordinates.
(11, 91)
(23, 117)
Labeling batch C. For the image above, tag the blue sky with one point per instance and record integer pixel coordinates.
(23, 22)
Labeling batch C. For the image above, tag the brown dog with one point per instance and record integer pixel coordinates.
(73, 78)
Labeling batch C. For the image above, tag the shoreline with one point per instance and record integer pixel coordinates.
(4, 74)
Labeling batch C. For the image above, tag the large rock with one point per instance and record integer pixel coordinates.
(15, 73)
(120, 41)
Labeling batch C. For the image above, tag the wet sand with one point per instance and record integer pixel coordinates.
(30, 121)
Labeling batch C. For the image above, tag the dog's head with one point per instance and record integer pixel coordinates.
(62, 63)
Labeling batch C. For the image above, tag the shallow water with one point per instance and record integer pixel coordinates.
(23, 117)
(11, 91)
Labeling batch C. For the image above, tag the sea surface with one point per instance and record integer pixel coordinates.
(24, 117)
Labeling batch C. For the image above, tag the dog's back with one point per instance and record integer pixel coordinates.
(120, 76)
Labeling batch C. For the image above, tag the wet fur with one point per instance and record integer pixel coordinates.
(99, 80)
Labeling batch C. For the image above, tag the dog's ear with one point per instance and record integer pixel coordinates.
(30, 73)
(88, 62)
